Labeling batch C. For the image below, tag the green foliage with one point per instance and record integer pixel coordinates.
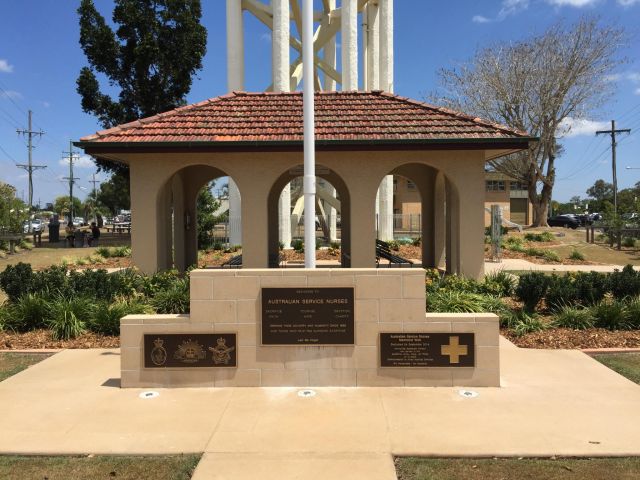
(394, 245)
(539, 237)
(121, 252)
(28, 313)
(297, 245)
(590, 287)
(628, 242)
(114, 194)
(576, 318)
(13, 211)
(550, 255)
(500, 283)
(561, 291)
(625, 283)
(416, 242)
(61, 205)
(206, 207)
(528, 323)
(106, 320)
(174, 299)
(452, 301)
(632, 313)
(64, 321)
(151, 57)
(576, 255)
(104, 252)
(16, 280)
(532, 288)
(610, 314)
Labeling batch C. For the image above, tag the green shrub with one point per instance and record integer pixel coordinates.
(452, 301)
(16, 280)
(175, 299)
(576, 255)
(123, 251)
(416, 242)
(539, 237)
(629, 242)
(499, 283)
(28, 313)
(527, 323)
(591, 287)
(610, 315)
(561, 292)
(532, 287)
(394, 245)
(106, 320)
(298, 245)
(103, 252)
(513, 241)
(576, 318)
(632, 313)
(625, 283)
(551, 255)
(69, 317)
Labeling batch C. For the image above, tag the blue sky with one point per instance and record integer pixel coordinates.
(40, 59)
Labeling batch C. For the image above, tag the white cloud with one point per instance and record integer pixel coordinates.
(84, 161)
(573, 127)
(573, 3)
(46, 104)
(480, 19)
(5, 66)
(628, 3)
(12, 94)
(508, 8)
(633, 76)
(637, 92)
(612, 78)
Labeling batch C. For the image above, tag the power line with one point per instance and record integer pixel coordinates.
(30, 167)
(613, 132)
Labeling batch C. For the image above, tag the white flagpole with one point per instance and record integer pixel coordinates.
(309, 137)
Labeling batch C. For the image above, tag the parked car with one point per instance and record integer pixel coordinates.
(566, 221)
(78, 222)
(36, 225)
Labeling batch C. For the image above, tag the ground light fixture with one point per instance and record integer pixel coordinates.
(149, 394)
(306, 393)
(468, 393)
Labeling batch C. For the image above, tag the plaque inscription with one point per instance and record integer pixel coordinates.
(308, 316)
(416, 350)
(195, 350)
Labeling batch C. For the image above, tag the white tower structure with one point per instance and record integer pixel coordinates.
(335, 17)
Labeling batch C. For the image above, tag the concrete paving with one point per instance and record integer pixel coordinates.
(550, 403)
(518, 264)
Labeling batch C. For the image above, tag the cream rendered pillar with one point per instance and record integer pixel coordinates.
(349, 27)
(372, 33)
(235, 81)
(281, 83)
(439, 221)
(329, 53)
(179, 247)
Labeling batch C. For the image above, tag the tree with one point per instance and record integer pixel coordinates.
(538, 85)
(151, 58)
(206, 206)
(13, 211)
(600, 190)
(114, 193)
(61, 205)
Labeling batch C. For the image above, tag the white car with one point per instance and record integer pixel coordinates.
(36, 225)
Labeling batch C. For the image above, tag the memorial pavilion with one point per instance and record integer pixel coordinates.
(256, 140)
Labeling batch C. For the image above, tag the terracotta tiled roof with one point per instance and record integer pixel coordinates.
(277, 117)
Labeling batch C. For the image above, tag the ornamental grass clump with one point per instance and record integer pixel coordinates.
(68, 318)
(28, 313)
(499, 283)
(453, 301)
(539, 237)
(625, 283)
(525, 323)
(610, 314)
(575, 318)
(576, 255)
(106, 320)
(174, 299)
(632, 313)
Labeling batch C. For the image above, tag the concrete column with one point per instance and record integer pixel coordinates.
(280, 45)
(255, 228)
(329, 55)
(147, 226)
(165, 239)
(349, 29)
(235, 216)
(235, 46)
(452, 221)
(333, 218)
(363, 227)
(284, 215)
(179, 254)
(439, 222)
(427, 192)
(385, 209)
(386, 45)
(373, 47)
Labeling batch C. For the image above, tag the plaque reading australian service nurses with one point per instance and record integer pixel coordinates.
(308, 316)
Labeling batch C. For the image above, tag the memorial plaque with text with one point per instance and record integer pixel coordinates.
(194, 350)
(417, 350)
(308, 316)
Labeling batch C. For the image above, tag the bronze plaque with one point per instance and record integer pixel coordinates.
(193, 350)
(417, 350)
(308, 316)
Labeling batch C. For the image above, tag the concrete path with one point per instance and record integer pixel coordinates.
(551, 403)
(517, 264)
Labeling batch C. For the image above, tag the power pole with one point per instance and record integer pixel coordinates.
(71, 178)
(95, 196)
(613, 133)
(30, 167)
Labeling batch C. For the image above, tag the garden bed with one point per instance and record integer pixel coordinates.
(43, 339)
(565, 338)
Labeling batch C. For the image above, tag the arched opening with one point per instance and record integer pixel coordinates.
(332, 219)
(194, 205)
(415, 230)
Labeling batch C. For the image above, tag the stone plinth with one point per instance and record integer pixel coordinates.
(386, 300)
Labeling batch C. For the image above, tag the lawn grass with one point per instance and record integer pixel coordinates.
(12, 363)
(626, 364)
(177, 467)
(521, 469)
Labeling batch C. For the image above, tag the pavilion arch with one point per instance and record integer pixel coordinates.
(176, 213)
(273, 219)
(440, 214)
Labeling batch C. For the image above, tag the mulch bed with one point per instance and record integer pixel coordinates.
(576, 339)
(43, 339)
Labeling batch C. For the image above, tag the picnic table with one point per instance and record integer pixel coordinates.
(119, 227)
(13, 239)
